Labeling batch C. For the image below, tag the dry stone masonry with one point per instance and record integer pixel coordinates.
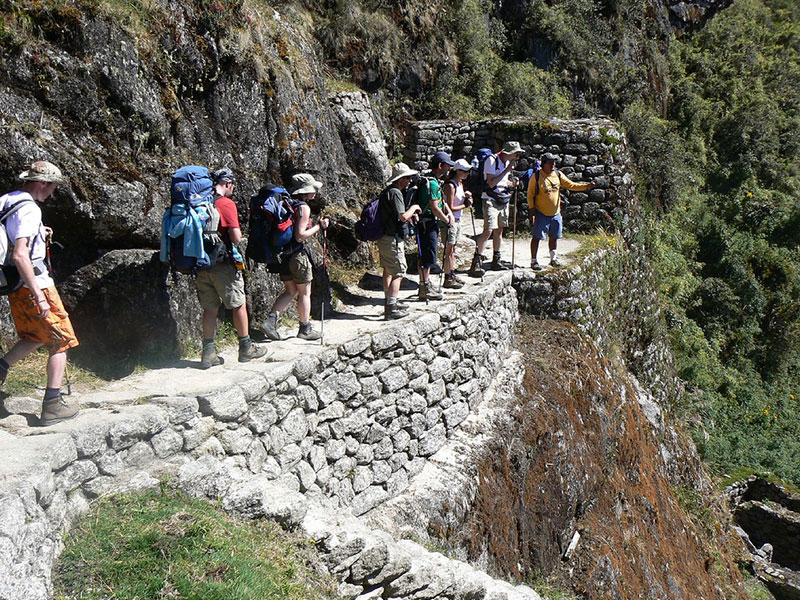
(589, 150)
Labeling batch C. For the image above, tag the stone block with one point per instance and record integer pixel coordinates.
(431, 441)
(295, 425)
(394, 378)
(225, 405)
(235, 441)
(197, 431)
(167, 443)
(368, 499)
(179, 409)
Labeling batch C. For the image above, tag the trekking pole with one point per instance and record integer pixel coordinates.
(514, 230)
(325, 296)
(419, 264)
(444, 259)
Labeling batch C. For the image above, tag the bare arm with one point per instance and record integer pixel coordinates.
(22, 261)
(412, 210)
(235, 235)
(302, 231)
(492, 180)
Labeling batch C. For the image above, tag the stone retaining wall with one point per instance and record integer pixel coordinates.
(354, 423)
(589, 149)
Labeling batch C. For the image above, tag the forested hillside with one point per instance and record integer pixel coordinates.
(711, 109)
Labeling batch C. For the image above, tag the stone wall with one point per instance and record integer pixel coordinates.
(611, 296)
(588, 150)
(354, 423)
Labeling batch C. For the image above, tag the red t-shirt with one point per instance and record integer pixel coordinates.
(228, 216)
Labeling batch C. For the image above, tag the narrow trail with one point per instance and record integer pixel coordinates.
(350, 320)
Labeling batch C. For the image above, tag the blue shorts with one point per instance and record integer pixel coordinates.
(544, 226)
(428, 242)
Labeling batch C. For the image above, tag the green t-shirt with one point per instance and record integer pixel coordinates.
(430, 193)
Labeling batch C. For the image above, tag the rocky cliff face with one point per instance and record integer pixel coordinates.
(119, 98)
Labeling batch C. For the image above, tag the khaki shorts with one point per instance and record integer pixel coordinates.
(55, 332)
(298, 268)
(392, 255)
(221, 284)
(495, 215)
(453, 234)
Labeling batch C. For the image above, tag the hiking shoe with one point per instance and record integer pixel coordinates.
(427, 291)
(556, 263)
(459, 280)
(394, 311)
(452, 283)
(210, 359)
(536, 266)
(307, 333)
(56, 410)
(252, 352)
(270, 329)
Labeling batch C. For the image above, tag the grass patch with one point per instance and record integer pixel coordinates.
(551, 591)
(30, 373)
(165, 545)
(340, 85)
(593, 242)
(743, 473)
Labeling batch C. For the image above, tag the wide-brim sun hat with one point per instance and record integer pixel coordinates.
(401, 170)
(512, 148)
(304, 183)
(43, 171)
(461, 165)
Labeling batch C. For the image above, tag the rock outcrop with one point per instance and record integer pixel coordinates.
(119, 100)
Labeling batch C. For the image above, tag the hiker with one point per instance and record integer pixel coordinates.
(296, 268)
(223, 283)
(395, 218)
(496, 196)
(39, 315)
(457, 199)
(544, 206)
(434, 210)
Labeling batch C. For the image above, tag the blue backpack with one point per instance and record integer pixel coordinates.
(189, 237)
(272, 219)
(475, 180)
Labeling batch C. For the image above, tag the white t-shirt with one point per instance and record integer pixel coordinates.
(494, 166)
(27, 223)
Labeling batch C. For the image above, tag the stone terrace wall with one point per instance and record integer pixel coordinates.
(589, 150)
(354, 422)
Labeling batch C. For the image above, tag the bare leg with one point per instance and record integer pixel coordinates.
(303, 301)
(240, 321)
(482, 239)
(394, 286)
(534, 248)
(20, 350)
(283, 301)
(55, 369)
(210, 323)
(553, 243)
(497, 238)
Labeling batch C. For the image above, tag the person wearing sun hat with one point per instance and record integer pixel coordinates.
(391, 247)
(39, 315)
(298, 271)
(457, 199)
(496, 196)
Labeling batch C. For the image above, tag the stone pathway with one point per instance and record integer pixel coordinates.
(184, 378)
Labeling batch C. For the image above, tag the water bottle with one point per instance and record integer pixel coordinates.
(238, 261)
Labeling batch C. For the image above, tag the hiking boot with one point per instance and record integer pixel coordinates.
(458, 279)
(556, 263)
(452, 283)
(270, 329)
(536, 266)
(210, 359)
(427, 291)
(252, 352)
(307, 333)
(56, 410)
(394, 311)
(476, 268)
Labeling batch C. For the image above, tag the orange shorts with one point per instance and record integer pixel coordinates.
(55, 332)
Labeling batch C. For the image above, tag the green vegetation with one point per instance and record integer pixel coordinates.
(164, 545)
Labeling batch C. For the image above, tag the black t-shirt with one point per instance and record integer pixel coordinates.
(392, 206)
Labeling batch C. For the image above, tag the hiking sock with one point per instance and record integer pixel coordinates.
(552, 254)
(244, 342)
(51, 393)
(391, 301)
